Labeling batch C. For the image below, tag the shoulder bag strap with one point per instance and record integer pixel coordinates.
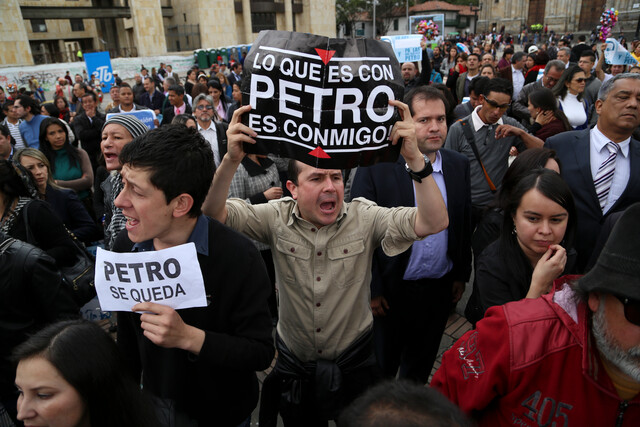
(30, 238)
(466, 128)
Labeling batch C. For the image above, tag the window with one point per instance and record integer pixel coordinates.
(263, 21)
(395, 25)
(38, 26)
(77, 24)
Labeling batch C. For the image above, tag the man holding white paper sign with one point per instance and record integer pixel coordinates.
(198, 363)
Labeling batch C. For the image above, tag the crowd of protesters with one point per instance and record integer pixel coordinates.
(519, 166)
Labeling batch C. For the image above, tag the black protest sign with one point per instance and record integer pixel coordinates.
(322, 101)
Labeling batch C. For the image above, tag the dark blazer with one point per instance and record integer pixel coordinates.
(73, 214)
(154, 103)
(389, 184)
(573, 151)
(90, 133)
(169, 113)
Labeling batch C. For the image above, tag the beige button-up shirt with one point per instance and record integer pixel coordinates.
(323, 274)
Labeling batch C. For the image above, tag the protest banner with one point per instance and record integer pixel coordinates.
(407, 48)
(170, 277)
(616, 54)
(322, 101)
(146, 116)
(99, 63)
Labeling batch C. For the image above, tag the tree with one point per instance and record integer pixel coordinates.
(346, 13)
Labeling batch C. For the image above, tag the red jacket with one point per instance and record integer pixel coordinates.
(532, 363)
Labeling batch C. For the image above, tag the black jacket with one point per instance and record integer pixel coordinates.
(169, 113)
(31, 296)
(389, 184)
(90, 134)
(219, 386)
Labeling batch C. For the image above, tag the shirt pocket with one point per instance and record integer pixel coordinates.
(344, 262)
(294, 260)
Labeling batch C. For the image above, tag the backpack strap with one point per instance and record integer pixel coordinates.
(468, 133)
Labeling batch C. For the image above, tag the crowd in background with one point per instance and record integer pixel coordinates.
(509, 103)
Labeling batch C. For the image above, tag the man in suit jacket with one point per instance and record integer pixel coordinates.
(236, 73)
(178, 106)
(412, 292)
(514, 73)
(214, 132)
(152, 98)
(88, 128)
(581, 154)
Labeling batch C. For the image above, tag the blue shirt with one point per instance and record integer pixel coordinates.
(30, 131)
(429, 259)
(199, 236)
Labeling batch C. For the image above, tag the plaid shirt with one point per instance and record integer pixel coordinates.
(251, 180)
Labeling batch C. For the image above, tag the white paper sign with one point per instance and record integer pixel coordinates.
(170, 277)
(616, 54)
(407, 48)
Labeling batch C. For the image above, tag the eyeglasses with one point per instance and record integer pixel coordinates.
(204, 107)
(580, 80)
(631, 309)
(494, 104)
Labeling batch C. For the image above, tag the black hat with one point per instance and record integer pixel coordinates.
(617, 270)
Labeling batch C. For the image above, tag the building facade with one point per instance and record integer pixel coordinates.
(560, 16)
(36, 32)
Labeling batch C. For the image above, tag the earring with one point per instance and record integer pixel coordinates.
(514, 231)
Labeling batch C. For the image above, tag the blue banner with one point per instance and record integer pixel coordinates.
(146, 116)
(99, 63)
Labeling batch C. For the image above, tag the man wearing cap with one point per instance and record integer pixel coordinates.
(570, 357)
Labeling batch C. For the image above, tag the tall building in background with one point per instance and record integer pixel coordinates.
(38, 32)
(558, 15)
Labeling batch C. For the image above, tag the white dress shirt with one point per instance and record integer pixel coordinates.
(211, 136)
(518, 81)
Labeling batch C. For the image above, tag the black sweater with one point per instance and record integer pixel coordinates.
(218, 387)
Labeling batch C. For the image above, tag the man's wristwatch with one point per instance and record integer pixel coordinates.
(425, 172)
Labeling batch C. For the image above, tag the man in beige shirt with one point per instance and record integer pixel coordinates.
(322, 250)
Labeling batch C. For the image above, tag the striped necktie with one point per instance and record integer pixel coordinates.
(604, 176)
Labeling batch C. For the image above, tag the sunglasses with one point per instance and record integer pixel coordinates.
(580, 80)
(494, 104)
(204, 107)
(631, 309)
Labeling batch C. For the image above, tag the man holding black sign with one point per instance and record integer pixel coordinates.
(322, 250)
(198, 363)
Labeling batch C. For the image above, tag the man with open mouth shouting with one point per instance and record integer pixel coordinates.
(322, 251)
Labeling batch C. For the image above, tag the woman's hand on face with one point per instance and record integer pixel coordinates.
(548, 268)
(544, 117)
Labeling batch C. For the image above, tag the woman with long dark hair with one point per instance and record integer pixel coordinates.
(535, 245)
(70, 166)
(219, 99)
(64, 202)
(548, 119)
(63, 108)
(80, 370)
(570, 90)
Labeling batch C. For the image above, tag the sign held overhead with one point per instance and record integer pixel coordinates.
(322, 101)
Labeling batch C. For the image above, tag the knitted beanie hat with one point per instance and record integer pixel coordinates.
(129, 122)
